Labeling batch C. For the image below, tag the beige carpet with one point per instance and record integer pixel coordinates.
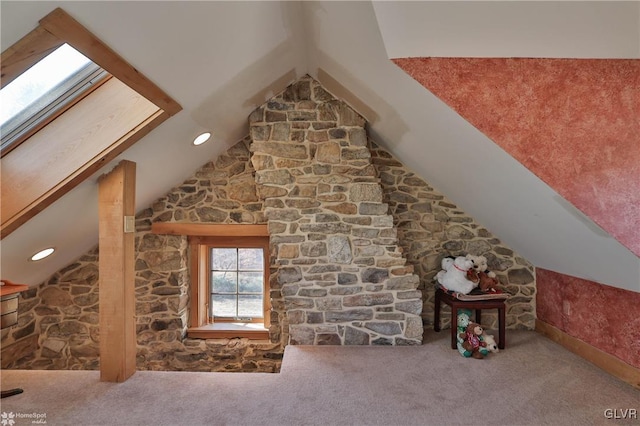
(533, 381)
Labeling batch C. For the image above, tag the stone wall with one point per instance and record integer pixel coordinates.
(341, 273)
(58, 322)
(431, 227)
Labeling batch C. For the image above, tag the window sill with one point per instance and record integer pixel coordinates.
(228, 330)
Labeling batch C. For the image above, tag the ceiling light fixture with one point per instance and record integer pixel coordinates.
(42, 254)
(202, 138)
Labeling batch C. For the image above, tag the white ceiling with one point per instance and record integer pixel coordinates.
(504, 29)
(220, 60)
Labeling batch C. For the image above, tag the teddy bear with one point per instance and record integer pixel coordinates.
(490, 341)
(480, 274)
(487, 283)
(446, 263)
(472, 340)
(479, 262)
(455, 278)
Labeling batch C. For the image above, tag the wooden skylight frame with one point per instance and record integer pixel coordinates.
(32, 182)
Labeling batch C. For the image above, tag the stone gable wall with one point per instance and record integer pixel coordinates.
(340, 270)
(58, 323)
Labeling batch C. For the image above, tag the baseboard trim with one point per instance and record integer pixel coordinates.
(601, 359)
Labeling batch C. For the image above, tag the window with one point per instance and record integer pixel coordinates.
(44, 91)
(98, 118)
(229, 286)
(236, 283)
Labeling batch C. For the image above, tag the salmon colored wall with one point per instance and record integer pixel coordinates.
(575, 123)
(602, 316)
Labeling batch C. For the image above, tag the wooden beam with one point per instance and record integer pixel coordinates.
(116, 199)
(63, 26)
(26, 52)
(209, 229)
(609, 363)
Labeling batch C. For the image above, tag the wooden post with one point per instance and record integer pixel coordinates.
(116, 202)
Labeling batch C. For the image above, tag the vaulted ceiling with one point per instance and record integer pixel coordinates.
(220, 60)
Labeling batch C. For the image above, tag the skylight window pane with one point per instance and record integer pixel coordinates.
(38, 80)
(43, 92)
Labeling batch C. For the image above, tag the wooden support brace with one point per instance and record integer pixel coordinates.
(116, 201)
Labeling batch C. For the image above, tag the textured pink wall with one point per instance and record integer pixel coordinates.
(602, 316)
(575, 123)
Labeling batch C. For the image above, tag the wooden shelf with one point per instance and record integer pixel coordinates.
(10, 288)
(252, 331)
(209, 229)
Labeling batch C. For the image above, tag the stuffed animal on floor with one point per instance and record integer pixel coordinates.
(490, 341)
(464, 318)
(472, 340)
(455, 278)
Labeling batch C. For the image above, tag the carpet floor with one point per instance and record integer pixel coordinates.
(534, 381)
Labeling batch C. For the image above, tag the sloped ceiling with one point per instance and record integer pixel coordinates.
(575, 123)
(220, 60)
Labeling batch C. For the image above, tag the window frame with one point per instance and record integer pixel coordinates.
(219, 243)
(50, 105)
(201, 325)
(42, 183)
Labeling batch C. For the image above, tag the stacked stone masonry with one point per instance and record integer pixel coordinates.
(340, 269)
(58, 323)
(431, 227)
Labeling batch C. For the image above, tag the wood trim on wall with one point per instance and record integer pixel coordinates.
(210, 229)
(603, 360)
(199, 296)
(26, 52)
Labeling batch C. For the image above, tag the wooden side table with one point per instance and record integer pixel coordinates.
(477, 305)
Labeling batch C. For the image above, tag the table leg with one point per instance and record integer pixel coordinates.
(479, 316)
(454, 326)
(501, 325)
(436, 313)
(10, 392)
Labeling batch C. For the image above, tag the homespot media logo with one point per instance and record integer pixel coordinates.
(10, 419)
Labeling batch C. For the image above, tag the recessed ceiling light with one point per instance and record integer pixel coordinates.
(202, 138)
(42, 254)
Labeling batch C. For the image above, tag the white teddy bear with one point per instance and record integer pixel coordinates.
(480, 265)
(492, 346)
(445, 264)
(455, 278)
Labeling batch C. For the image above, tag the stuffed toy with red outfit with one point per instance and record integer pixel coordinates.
(472, 340)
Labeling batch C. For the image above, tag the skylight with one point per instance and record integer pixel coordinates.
(43, 90)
